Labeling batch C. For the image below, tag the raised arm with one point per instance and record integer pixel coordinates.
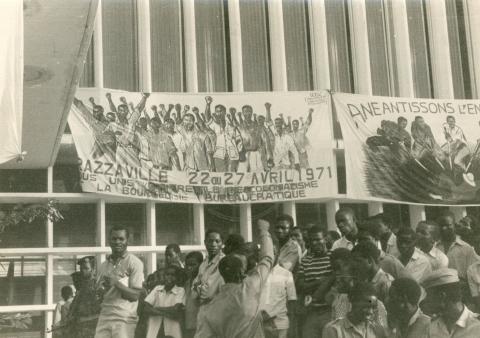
(309, 117)
(268, 113)
(141, 105)
(110, 103)
(256, 281)
(208, 113)
(169, 111)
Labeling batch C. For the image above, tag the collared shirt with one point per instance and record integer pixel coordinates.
(460, 256)
(161, 148)
(341, 306)
(343, 328)
(235, 310)
(467, 326)
(391, 265)
(381, 282)
(289, 255)
(456, 133)
(419, 265)
(130, 271)
(417, 326)
(392, 248)
(279, 289)
(473, 277)
(159, 297)
(209, 279)
(227, 139)
(197, 145)
(343, 242)
(283, 145)
(437, 258)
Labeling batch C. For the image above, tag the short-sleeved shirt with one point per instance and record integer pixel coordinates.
(467, 326)
(343, 328)
(419, 265)
(437, 258)
(392, 247)
(279, 289)
(341, 306)
(314, 267)
(130, 271)
(289, 255)
(417, 326)
(159, 297)
(381, 282)
(473, 277)
(460, 256)
(391, 265)
(209, 278)
(235, 310)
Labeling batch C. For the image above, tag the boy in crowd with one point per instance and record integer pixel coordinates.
(358, 321)
(192, 262)
(164, 304)
(173, 255)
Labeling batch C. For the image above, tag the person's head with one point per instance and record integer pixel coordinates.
(192, 263)
(346, 223)
(339, 257)
(122, 110)
(87, 266)
(251, 251)
(233, 268)
(173, 276)
(380, 226)
(188, 121)
(119, 240)
(98, 112)
(295, 125)
(283, 225)
(365, 257)
(402, 122)
(220, 111)
(406, 240)
(151, 281)
(297, 235)
(344, 277)
(451, 121)
(160, 276)
(332, 236)
(365, 234)
(213, 242)
(261, 120)
(443, 291)
(420, 121)
(247, 112)
(66, 292)
(316, 237)
(279, 125)
(155, 124)
(403, 297)
(77, 279)
(446, 222)
(143, 122)
(427, 235)
(169, 125)
(364, 302)
(111, 117)
(172, 254)
(234, 243)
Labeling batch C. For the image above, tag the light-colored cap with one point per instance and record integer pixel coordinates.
(440, 277)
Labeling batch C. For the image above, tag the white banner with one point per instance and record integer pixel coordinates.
(11, 79)
(205, 148)
(411, 150)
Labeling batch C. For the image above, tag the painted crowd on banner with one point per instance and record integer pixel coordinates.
(208, 142)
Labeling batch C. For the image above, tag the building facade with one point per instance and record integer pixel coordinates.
(412, 48)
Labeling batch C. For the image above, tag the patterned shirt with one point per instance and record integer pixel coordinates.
(208, 280)
(289, 255)
(381, 282)
(313, 268)
(460, 256)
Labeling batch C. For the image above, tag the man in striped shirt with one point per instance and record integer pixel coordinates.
(314, 280)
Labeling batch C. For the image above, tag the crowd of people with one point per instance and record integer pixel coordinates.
(179, 138)
(373, 279)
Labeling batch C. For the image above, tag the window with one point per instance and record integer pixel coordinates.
(398, 213)
(24, 180)
(63, 267)
(255, 52)
(311, 213)
(432, 213)
(22, 280)
(360, 209)
(78, 226)
(166, 46)
(120, 51)
(225, 218)
(174, 224)
(33, 320)
(23, 235)
(211, 25)
(297, 42)
(131, 215)
(266, 211)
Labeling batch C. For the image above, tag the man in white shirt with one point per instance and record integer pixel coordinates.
(347, 224)
(427, 235)
(284, 146)
(415, 262)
